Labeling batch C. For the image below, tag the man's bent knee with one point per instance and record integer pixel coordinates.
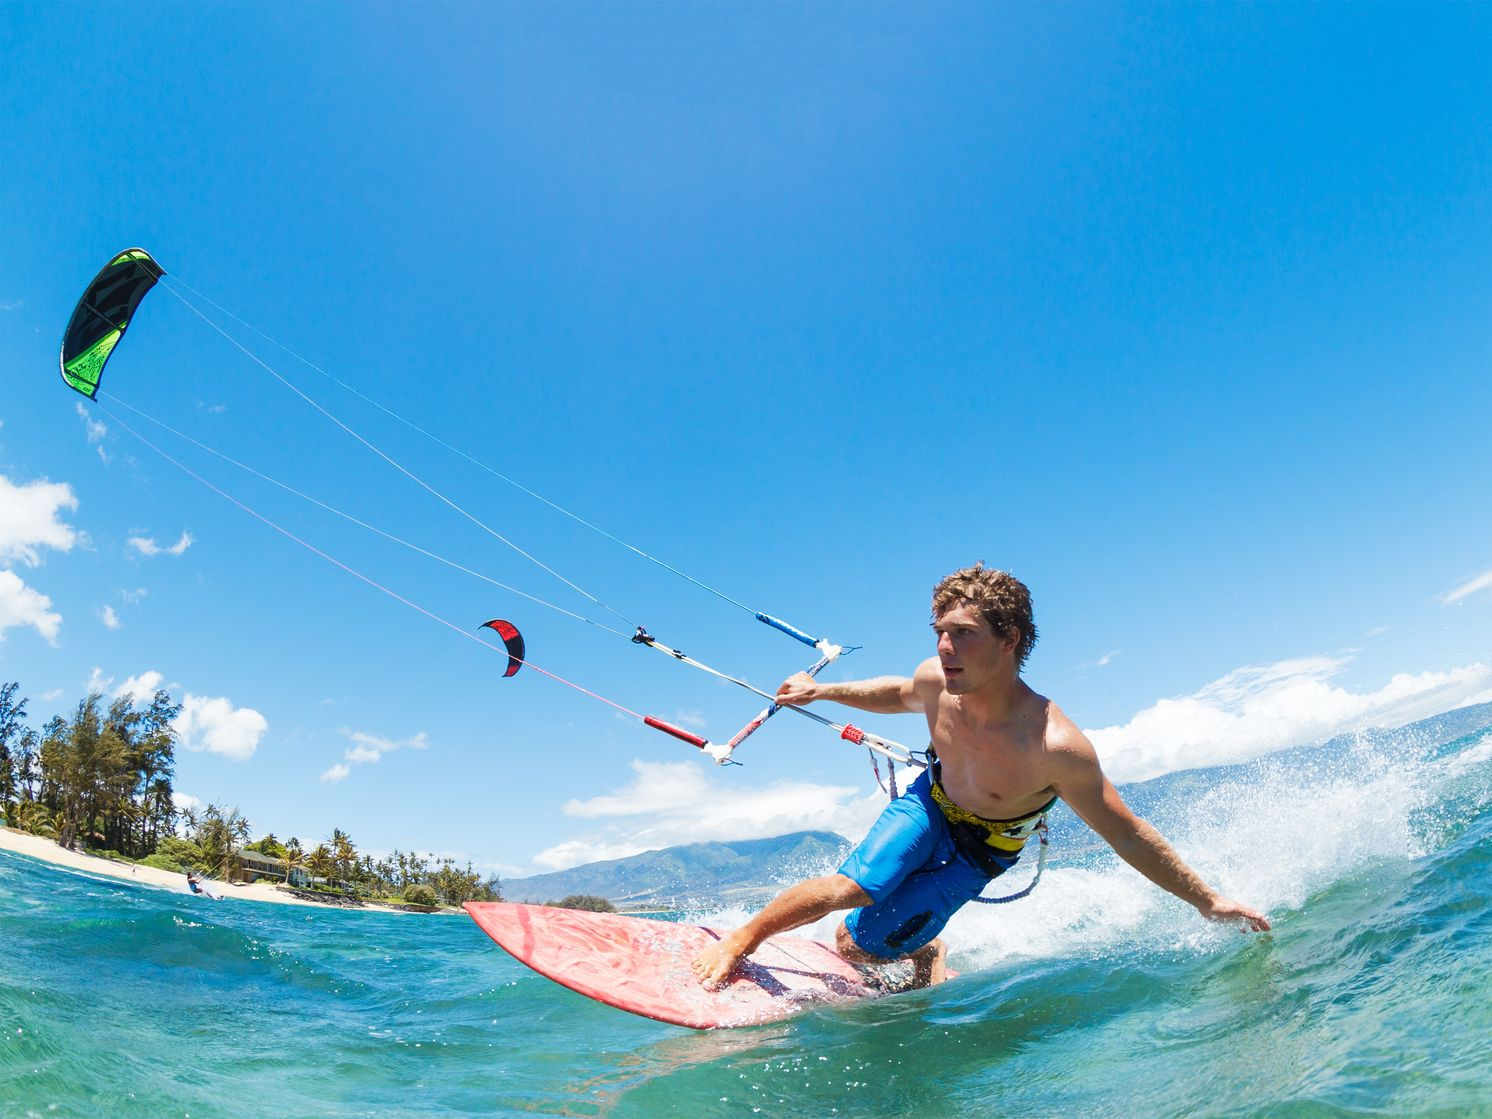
(845, 945)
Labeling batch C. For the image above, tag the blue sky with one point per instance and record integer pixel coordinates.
(1180, 313)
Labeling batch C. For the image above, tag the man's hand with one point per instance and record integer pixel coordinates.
(798, 689)
(1222, 909)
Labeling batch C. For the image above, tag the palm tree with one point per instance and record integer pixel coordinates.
(344, 852)
(320, 862)
(292, 857)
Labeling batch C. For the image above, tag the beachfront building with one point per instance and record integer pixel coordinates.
(255, 867)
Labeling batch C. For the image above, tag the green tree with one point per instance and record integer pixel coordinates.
(26, 762)
(320, 862)
(291, 856)
(105, 775)
(344, 854)
(221, 835)
(84, 760)
(12, 711)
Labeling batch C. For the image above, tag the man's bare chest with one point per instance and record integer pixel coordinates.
(998, 771)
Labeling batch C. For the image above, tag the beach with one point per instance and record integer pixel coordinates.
(39, 847)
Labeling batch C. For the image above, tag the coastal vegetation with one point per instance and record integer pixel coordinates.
(101, 782)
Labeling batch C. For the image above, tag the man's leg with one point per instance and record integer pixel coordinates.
(793, 908)
(929, 963)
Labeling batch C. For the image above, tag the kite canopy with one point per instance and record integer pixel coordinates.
(512, 639)
(102, 315)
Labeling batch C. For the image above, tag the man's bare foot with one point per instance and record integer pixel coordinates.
(713, 966)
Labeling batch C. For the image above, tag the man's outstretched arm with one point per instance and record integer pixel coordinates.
(1092, 796)
(882, 695)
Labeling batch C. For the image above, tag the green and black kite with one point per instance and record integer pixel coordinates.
(102, 316)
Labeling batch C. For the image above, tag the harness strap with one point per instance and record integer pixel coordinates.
(1040, 866)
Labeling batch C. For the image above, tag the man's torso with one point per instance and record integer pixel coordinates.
(999, 768)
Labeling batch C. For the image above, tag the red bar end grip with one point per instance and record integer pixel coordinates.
(669, 728)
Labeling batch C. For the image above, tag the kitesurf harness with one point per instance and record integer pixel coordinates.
(991, 845)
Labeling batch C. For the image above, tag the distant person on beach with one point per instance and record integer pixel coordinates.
(1001, 756)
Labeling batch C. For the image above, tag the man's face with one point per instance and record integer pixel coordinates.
(970, 651)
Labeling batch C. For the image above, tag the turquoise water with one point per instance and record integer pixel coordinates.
(1097, 996)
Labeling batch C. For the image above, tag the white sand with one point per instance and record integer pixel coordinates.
(47, 850)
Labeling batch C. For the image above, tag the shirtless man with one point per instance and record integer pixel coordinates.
(1004, 755)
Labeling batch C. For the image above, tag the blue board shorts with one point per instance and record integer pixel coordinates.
(914, 873)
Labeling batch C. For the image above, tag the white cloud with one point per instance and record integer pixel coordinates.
(29, 520)
(134, 597)
(141, 688)
(186, 802)
(51, 696)
(1470, 587)
(94, 428)
(109, 617)
(21, 605)
(218, 727)
(1258, 709)
(147, 546)
(380, 746)
(690, 802)
(1106, 658)
(368, 748)
(98, 682)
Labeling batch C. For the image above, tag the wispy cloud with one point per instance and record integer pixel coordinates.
(14, 305)
(109, 617)
(147, 546)
(1261, 708)
(1470, 587)
(21, 605)
(1106, 658)
(96, 430)
(369, 748)
(52, 695)
(31, 519)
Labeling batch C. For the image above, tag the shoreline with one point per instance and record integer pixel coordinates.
(48, 851)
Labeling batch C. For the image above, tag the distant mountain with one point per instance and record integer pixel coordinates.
(743, 872)
(1448, 726)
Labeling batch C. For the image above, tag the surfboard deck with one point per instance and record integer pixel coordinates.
(642, 966)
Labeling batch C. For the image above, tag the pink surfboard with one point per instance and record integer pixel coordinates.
(643, 966)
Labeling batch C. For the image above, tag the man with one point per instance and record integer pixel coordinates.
(1002, 756)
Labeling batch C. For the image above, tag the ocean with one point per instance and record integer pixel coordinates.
(1097, 996)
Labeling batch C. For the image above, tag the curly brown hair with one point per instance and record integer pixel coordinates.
(1003, 599)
